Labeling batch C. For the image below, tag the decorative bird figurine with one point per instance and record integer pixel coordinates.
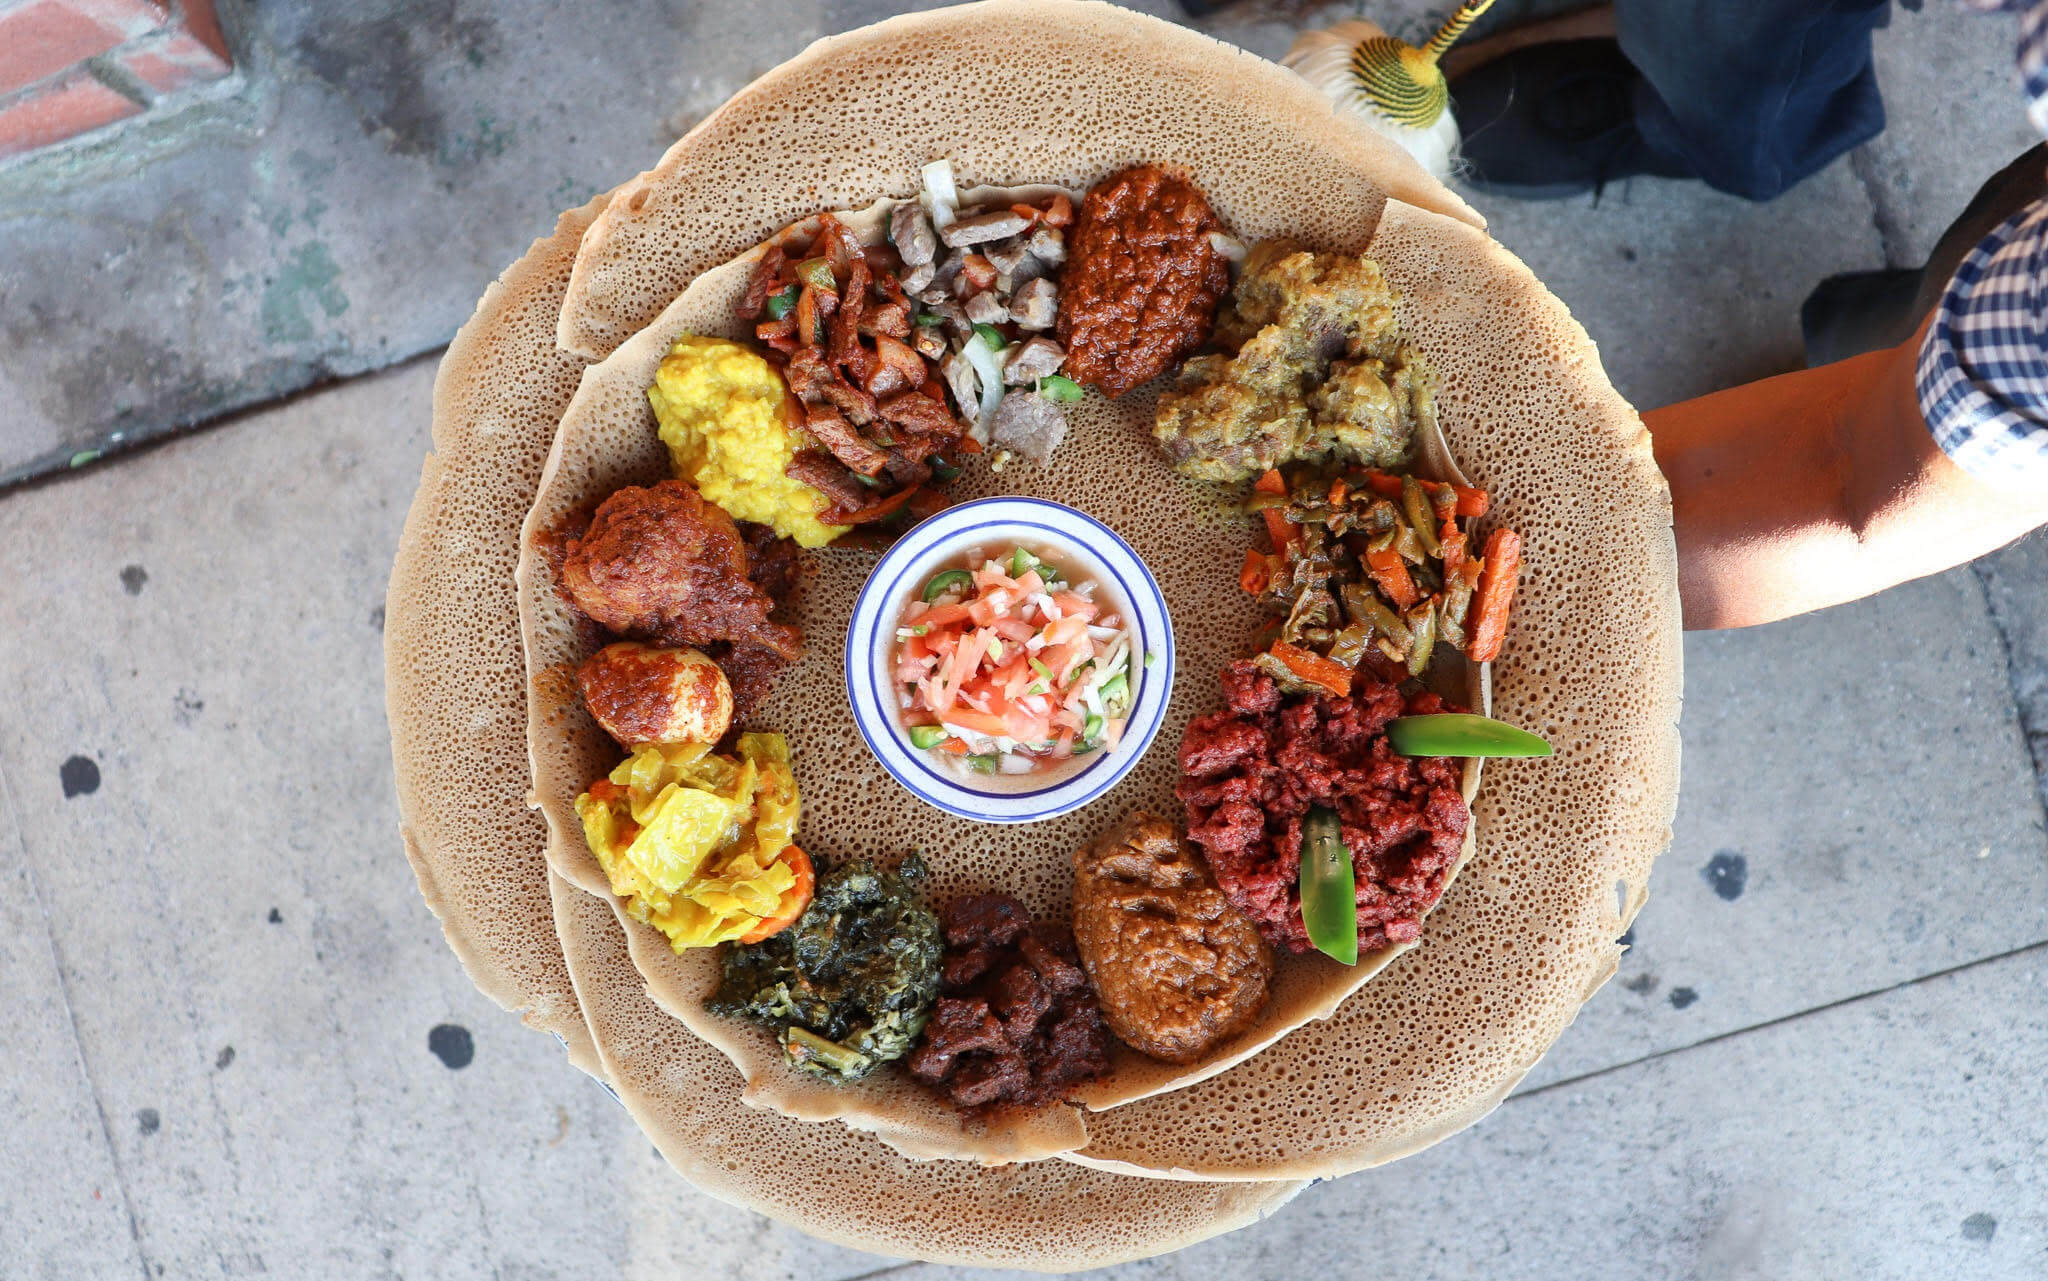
(1388, 84)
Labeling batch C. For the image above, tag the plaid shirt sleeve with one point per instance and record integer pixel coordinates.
(1983, 371)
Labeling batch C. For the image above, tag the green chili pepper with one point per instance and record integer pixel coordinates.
(926, 737)
(1421, 515)
(992, 336)
(779, 305)
(944, 581)
(982, 764)
(1084, 747)
(1039, 667)
(817, 273)
(1329, 888)
(1116, 693)
(930, 319)
(1022, 563)
(1059, 387)
(1461, 734)
(946, 472)
(1091, 729)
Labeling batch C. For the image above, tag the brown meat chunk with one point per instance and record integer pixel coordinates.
(1176, 968)
(1016, 1024)
(661, 564)
(1142, 279)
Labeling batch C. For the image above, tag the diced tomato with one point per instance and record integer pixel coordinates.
(1014, 629)
(945, 615)
(1060, 212)
(980, 722)
(1071, 628)
(1076, 606)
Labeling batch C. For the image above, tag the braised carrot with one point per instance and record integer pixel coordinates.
(1256, 573)
(1385, 484)
(1472, 503)
(1496, 589)
(1278, 528)
(800, 897)
(1314, 668)
(1272, 482)
(1391, 573)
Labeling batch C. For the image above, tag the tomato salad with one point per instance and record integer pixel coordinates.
(1005, 665)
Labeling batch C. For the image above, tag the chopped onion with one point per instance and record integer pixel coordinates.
(978, 354)
(1010, 763)
(1229, 246)
(941, 197)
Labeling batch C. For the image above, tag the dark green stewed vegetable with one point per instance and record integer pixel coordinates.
(1329, 888)
(850, 985)
(1461, 734)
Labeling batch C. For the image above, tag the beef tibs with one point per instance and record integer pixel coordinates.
(834, 313)
(1252, 772)
(1016, 1023)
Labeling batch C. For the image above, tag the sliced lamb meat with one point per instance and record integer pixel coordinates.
(1007, 254)
(846, 444)
(1032, 360)
(964, 382)
(823, 473)
(920, 277)
(987, 309)
(1047, 245)
(906, 471)
(762, 283)
(912, 234)
(979, 229)
(1027, 423)
(1036, 305)
(930, 343)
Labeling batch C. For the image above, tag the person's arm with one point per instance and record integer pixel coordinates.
(1819, 487)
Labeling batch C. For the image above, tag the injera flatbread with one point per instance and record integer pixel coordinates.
(474, 845)
(842, 1185)
(1108, 467)
(1059, 90)
(453, 675)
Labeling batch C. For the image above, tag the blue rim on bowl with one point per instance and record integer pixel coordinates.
(1091, 548)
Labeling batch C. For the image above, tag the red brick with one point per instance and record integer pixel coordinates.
(198, 18)
(172, 62)
(64, 107)
(42, 38)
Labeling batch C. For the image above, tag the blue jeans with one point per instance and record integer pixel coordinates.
(1754, 94)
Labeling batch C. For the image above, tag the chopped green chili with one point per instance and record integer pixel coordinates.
(944, 581)
(1461, 734)
(1059, 387)
(779, 305)
(1329, 888)
(926, 737)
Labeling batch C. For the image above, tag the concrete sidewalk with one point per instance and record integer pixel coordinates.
(236, 1043)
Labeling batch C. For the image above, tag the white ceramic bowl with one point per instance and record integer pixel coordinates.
(1083, 545)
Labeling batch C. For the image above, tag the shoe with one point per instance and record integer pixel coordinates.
(1553, 120)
